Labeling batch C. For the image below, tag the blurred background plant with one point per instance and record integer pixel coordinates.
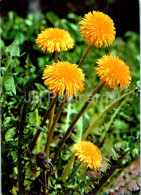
(22, 67)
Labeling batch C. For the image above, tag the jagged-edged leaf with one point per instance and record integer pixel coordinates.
(8, 81)
(14, 49)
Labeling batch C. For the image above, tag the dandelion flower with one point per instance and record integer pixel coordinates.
(64, 77)
(97, 29)
(113, 72)
(88, 153)
(54, 39)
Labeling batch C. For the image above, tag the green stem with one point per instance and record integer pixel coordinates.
(101, 115)
(50, 135)
(38, 123)
(99, 86)
(42, 125)
(68, 115)
(38, 140)
(68, 167)
(84, 56)
(51, 119)
(52, 111)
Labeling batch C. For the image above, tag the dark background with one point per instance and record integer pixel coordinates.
(125, 13)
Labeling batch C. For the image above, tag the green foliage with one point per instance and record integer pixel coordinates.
(14, 49)
(22, 67)
(8, 81)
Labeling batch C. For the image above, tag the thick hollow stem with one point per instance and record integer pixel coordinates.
(76, 119)
(56, 56)
(38, 123)
(53, 128)
(51, 119)
(84, 56)
(68, 116)
(42, 125)
(52, 111)
(38, 140)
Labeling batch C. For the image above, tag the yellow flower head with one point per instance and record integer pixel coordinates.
(113, 72)
(97, 29)
(54, 39)
(64, 77)
(88, 153)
